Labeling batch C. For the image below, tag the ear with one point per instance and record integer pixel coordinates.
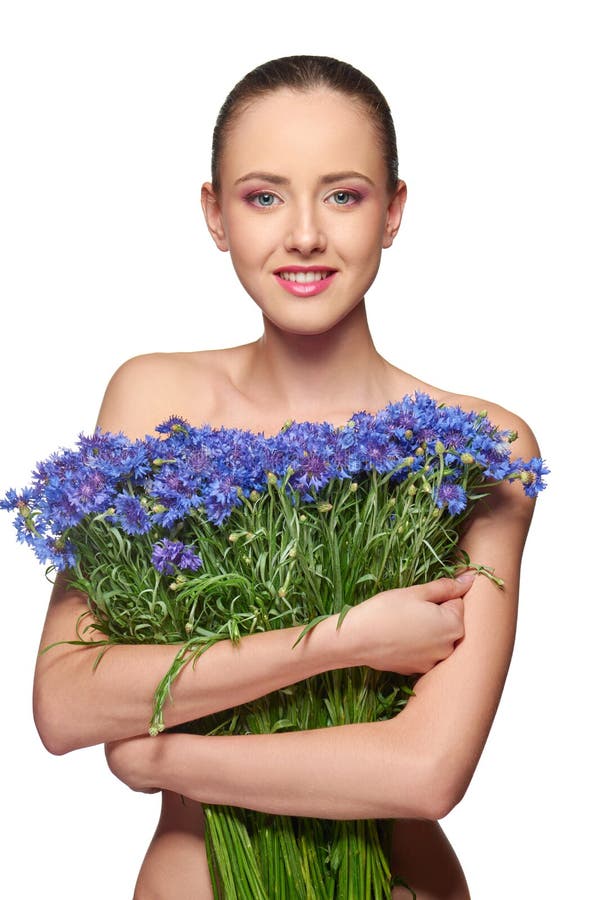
(394, 214)
(213, 217)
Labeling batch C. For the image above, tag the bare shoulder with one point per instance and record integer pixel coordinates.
(507, 505)
(147, 389)
(504, 517)
(524, 445)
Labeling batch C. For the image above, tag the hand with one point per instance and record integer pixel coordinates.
(409, 630)
(131, 761)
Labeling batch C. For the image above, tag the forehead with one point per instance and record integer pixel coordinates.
(317, 130)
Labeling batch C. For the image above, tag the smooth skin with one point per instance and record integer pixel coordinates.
(314, 361)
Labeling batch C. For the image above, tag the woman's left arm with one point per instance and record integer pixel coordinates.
(417, 764)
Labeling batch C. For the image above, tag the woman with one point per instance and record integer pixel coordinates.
(304, 196)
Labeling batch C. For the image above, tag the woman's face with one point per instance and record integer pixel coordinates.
(304, 190)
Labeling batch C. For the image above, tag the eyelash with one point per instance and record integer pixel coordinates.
(355, 196)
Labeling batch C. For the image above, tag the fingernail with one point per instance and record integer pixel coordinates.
(466, 576)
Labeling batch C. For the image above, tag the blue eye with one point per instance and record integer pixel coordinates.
(265, 199)
(344, 198)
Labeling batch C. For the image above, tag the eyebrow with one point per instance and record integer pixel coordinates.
(330, 178)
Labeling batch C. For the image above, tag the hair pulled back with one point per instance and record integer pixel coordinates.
(305, 73)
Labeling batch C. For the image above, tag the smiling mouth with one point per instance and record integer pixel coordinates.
(305, 283)
(307, 277)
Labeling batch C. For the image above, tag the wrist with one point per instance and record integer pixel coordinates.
(327, 647)
(184, 765)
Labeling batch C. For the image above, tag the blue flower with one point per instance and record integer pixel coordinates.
(452, 496)
(132, 514)
(531, 475)
(167, 555)
(220, 497)
(173, 425)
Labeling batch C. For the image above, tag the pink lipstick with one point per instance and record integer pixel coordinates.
(305, 288)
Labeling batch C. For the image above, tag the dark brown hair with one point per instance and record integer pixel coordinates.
(305, 73)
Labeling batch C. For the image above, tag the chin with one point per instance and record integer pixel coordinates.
(309, 326)
(310, 317)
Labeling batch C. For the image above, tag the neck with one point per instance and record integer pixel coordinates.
(316, 375)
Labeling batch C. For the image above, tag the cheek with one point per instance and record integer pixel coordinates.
(361, 237)
(249, 238)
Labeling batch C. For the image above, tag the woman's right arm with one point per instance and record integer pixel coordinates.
(77, 705)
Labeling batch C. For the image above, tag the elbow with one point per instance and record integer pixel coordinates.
(49, 723)
(448, 789)
(51, 736)
(434, 792)
(441, 801)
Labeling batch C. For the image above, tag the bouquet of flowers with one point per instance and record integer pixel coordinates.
(196, 535)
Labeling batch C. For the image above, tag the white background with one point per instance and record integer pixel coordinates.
(107, 112)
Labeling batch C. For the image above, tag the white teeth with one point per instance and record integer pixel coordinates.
(303, 277)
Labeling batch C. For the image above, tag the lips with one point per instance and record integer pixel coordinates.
(305, 281)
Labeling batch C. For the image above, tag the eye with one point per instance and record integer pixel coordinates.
(262, 199)
(345, 198)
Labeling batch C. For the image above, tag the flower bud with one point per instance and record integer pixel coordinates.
(272, 478)
(467, 459)
(282, 593)
(254, 496)
(324, 507)
(408, 434)
(412, 490)
(188, 627)
(439, 448)
(353, 488)
(302, 518)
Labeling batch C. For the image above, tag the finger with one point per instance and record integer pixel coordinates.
(455, 606)
(444, 589)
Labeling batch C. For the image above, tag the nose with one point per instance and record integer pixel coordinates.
(305, 231)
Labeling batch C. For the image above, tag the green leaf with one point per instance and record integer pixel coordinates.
(311, 625)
